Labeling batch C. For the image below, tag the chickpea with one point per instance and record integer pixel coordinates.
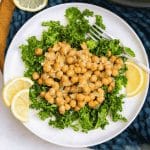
(59, 94)
(89, 65)
(56, 47)
(96, 103)
(108, 53)
(80, 97)
(40, 81)
(67, 89)
(72, 53)
(103, 59)
(42, 94)
(84, 46)
(50, 55)
(100, 99)
(112, 59)
(70, 60)
(77, 108)
(49, 49)
(44, 76)
(67, 107)
(110, 88)
(65, 68)
(47, 68)
(110, 79)
(55, 85)
(52, 91)
(38, 51)
(93, 78)
(87, 98)
(87, 75)
(105, 81)
(100, 67)
(117, 66)
(98, 84)
(86, 89)
(65, 49)
(108, 66)
(64, 78)
(115, 72)
(70, 73)
(49, 81)
(108, 72)
(71, 67)
(91, 104)
(49, 98)
(52, 73)
(95, 59)
(67, 99)
(77, 70)
(62, 109)
(60, 101)
(112, 84)
(59, 74)
(119, 61)
(81, 104)
(73, 103)
(83, 70)
(35, 75)
(94, 67)
(74, 79)
(101, 91)
(92, 86)
(73, 89)
(57, 67)
(92, 96)
(97, 73)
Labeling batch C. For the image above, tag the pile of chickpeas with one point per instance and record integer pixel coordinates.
(75, 77)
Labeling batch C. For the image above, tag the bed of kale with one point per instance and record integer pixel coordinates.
(74, 33)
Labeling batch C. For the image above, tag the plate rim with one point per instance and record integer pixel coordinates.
(135, 35)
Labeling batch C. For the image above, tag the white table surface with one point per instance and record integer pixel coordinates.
(14, 136)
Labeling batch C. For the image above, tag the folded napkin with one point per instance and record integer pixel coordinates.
(139, 131)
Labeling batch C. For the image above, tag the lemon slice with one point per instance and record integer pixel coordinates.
(20, 105)
(13, 87)
(30, 5)
(136, 79)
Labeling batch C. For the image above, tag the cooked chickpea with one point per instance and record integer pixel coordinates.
(42, 94)
(91, 104)
(62, 109)
(110, 88)
(49, 49)
(112, 84)
(73, 89)
(100, 99)
(119, 61)
(35, 75)
(92, 96)
(57, 67)
(93, 78)
(60, 101)
(56, 47)
(95, 59)
(49, 81)
(74, 79)
(83, 70)
(89, 65)
(92, 86)
(97, 73)
(67, 99)
(55, 85)
(101, 91)
(108, 66)
(38, 51)
(108, 72)
(40, 81)
(80, 97)
(49, 98)
(94, 67)
(65, 68)
(50, 55)
(100, 67)
(72, 53)
(108, 53)
(112, 59)
(67, 107)
(105, 81)
(77, 70)
(86, 89)
(87, 75)
(103, 59)
(70, 73)
(84, 46)
(98, 84)
(52, 91)
(67, 89)
(44, 76)
(110, 79)
(77, 108)
(87, 98)
(65, 49)
(70, 60)
(81, 104)
(117, 66)
(115, 72)
(47, 68)
(59, 74)
(73, 103)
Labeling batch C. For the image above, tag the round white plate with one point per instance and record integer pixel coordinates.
(14, 67)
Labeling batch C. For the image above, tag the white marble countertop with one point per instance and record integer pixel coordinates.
(14, 136)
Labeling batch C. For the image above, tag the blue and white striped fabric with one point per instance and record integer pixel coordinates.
(139, 131)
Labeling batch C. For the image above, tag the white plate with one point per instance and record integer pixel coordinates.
(14, 67)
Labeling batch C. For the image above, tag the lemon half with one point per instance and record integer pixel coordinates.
(13, 87)
(20, 105)
(30, 5)
(136, 79)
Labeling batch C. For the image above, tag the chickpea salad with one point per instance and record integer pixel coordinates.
(77, 81)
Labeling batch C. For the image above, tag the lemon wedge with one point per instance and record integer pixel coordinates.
(20, 105)
(30, 5)
(13, 87)
(136, 79)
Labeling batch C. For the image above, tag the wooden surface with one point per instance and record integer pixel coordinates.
(6, 11)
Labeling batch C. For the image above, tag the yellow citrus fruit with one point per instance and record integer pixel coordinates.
(136, 79)
(13, 87)
(20, 105)
(30, 5)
